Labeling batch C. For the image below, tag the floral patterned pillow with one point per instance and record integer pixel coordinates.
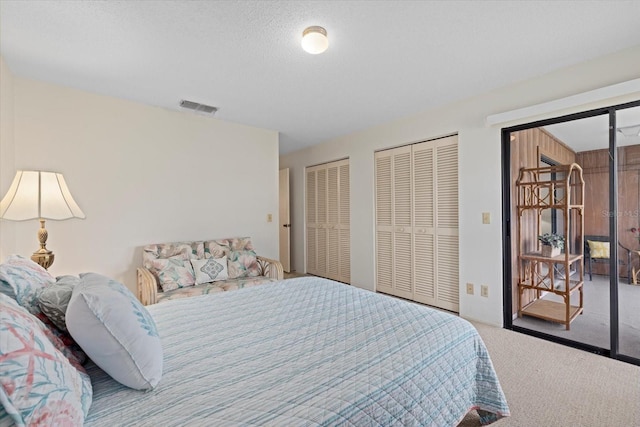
(53, 300)
(38, 386)
(243, 264)
(23, 280)
(221, 247)
(63, 342)
(173, 273)
(183, 250)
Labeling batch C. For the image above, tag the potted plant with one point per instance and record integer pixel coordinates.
(552, 244)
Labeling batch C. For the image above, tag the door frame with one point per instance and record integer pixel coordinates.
(284, 220)
(613, 231)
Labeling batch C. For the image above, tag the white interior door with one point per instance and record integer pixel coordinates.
(285, 220)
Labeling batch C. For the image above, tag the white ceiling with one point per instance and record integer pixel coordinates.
(386, 59)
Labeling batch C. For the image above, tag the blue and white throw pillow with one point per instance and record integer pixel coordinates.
(115, 331)
(23, 280)
(210, 270)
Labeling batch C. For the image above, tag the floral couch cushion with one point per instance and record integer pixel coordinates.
(243, 263)
(185, 250)
(241, 258)
(221, 247)
(212, 288)
(173, 273)
(179, 250)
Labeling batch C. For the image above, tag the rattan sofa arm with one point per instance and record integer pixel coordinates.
(271, 268)
(147, 287)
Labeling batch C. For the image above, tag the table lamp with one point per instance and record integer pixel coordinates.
(39, 195)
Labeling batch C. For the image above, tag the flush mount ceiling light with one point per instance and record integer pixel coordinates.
(630, 131)
(314, 40)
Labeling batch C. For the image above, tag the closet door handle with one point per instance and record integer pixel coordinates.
(400, 229)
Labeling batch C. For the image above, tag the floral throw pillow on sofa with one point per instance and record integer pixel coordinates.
(243, 264)
(173, 273)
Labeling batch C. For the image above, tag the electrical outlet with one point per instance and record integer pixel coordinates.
(484, 291)
(486, 217)
(470, 288)
(269, 217)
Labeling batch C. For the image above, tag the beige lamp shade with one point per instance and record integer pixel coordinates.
(39, 195)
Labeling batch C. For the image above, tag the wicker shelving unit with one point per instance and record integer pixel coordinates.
(560, 188)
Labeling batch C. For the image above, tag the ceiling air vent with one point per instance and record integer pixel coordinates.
(197, 107)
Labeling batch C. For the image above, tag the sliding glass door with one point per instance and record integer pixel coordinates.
(627, 136)
(574, 182)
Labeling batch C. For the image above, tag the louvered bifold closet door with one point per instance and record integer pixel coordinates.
(424, 242)
(394, 264)
(328, 222)
(311, 222)
(321, 212)
(333, 233)
(402, 218)
(344, 222)
(384, 221)
(446, 173)
(417, 222)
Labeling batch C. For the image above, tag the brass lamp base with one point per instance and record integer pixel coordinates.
(43, 257)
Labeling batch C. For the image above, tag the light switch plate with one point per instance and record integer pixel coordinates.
(269, 217)
(486, 217)
(484, 291)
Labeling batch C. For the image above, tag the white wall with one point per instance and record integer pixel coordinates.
(480, 172)
(7, 169)
(142, 175)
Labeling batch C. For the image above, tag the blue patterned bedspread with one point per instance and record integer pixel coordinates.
(307, 352)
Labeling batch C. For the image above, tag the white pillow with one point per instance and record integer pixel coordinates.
(115, 331)
(210, 269)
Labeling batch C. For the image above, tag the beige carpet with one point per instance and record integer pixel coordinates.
(547, 384)
(293, 275)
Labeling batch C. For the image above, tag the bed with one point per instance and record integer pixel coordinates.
(306, 352)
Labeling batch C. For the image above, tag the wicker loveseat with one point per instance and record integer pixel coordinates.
(167, 272)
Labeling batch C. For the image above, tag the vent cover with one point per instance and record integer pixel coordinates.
(197, 107)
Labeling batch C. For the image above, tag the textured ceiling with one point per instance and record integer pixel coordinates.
(386, 59)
